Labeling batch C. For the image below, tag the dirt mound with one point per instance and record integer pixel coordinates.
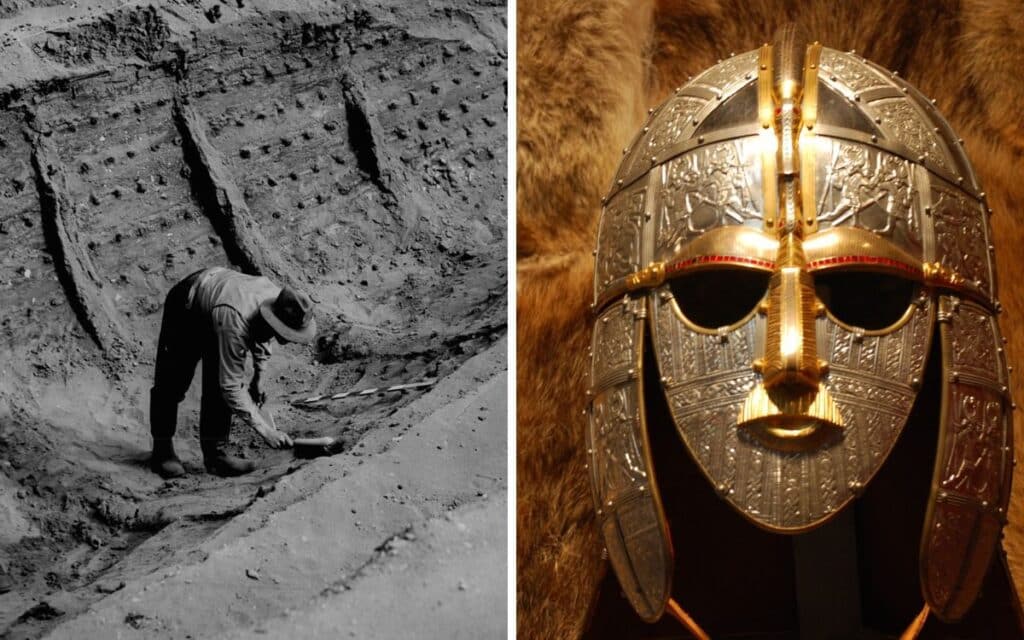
(354, 152)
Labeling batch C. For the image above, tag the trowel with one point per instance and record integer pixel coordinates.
(309, 447)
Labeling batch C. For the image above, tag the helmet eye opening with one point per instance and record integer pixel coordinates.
(715, 298)
(866, 300)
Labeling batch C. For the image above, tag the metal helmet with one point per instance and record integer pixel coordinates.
(793, 169)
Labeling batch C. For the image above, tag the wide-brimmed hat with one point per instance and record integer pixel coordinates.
(290, 315)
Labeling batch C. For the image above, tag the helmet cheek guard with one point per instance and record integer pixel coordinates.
(781, 176)
(971, 482)
(629, 512)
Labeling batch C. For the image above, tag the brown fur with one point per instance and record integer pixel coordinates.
(587, 73)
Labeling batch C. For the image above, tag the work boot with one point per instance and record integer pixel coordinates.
(225, 466)
(164, 461)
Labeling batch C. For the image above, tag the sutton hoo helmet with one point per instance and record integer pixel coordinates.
(791, 227)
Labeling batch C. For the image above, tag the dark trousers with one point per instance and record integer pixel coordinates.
(186, 337)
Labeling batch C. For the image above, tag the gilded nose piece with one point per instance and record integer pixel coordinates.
(791, 359)
(791, 353)
(790, 409)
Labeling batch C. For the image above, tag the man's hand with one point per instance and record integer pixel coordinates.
(276, 439)
(257, 395)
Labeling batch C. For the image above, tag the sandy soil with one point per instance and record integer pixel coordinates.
(355, 150)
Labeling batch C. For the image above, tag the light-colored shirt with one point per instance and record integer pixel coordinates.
(232, 302)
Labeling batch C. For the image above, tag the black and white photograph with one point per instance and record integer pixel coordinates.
(253, 319)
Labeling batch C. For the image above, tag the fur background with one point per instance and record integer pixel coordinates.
(587, 73)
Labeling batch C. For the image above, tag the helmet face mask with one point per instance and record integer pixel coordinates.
(790, 237)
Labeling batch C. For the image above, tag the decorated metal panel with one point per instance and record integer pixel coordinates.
(962, 236)
(962, 169)
(973, 468)
(866, 187)
(678, 118)
(620, 237)
(707, 376)
(674, 121)
(848, 71)
(628, 508)
(728, 75)
(712, 186)
(904, 121)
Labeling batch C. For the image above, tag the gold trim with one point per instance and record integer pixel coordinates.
(826, 249)
(765, 101)
(743, 243)
(748, 248)
(841, 242)
(937, 275)
(686, 620)
(807, 145)
(790, 423)
(916, 625)
(768, 136)
(647, 278)
(884, 331)
(809, 106)
(666, 535)
(709, 331)
(946, 362)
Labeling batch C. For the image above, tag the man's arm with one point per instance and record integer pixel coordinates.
(260, 355)
(230, 332)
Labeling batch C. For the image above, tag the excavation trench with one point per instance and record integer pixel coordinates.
(344, 152)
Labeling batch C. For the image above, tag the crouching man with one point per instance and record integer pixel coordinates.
(218, 316)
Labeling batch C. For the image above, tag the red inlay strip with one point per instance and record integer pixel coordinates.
(682, 265)
(865, 260)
